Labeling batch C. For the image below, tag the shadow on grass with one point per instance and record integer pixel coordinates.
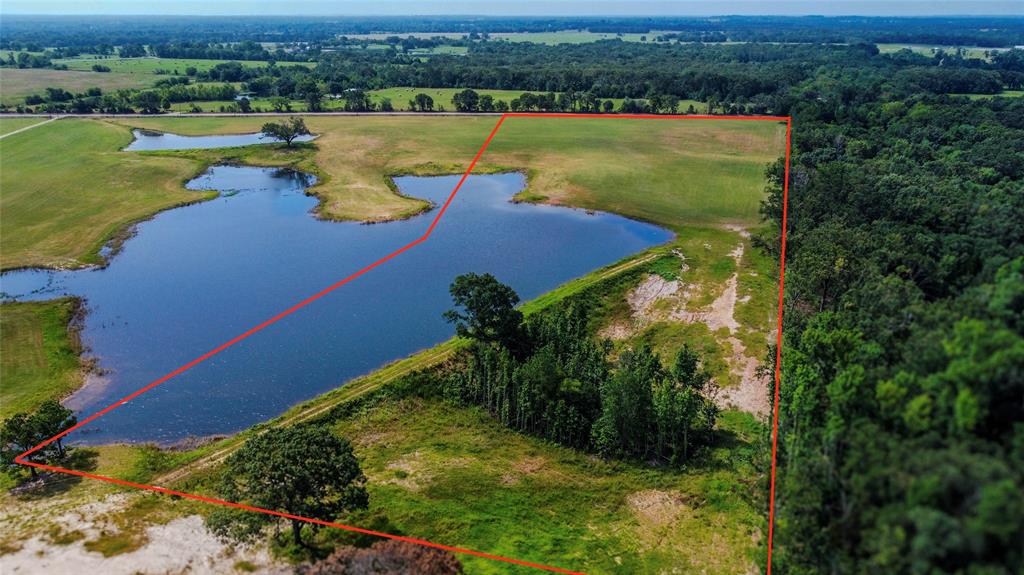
(53, 483)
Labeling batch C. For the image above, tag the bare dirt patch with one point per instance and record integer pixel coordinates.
(657, 508)
(658, 299)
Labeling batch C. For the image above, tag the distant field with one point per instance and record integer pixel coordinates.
(571, 37)
(928, 50)
(400, 100)
(560, 37)
(151, 65)
(442, 96)
(16, 83)
(1003, 94)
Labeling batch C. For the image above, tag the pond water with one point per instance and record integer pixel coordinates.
(195, 277)
(148, 141)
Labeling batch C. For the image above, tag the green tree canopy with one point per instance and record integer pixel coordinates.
(306, 471)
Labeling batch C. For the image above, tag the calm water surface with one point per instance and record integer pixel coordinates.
(146, 141)
(195, 277)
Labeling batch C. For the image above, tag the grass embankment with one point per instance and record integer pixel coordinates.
(40, 353)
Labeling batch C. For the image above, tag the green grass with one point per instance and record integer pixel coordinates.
(71, 189)
(16, 83)
(670, 172)
(38, 354)
(67, 189)
(1003, 94)
(9, 124)
(930, 49)
(454, 476)
(442, 96)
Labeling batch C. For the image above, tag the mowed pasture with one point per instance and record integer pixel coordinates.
(66, 189)
(16, 84)
(61, 205)
(10, 124)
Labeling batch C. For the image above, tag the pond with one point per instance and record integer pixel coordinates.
(148, 141)
(194, 277)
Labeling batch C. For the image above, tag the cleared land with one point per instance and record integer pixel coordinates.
(451, 474)
(67, 189)
(18, 83)
(60, 207)
(40, 354)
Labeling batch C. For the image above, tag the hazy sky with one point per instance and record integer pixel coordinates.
(514, 7)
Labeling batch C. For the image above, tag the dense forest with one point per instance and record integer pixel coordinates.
(901, 415)
(732, 78)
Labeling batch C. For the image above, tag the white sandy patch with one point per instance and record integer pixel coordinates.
(182, 546)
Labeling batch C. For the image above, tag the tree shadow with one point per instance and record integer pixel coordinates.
(50, 483)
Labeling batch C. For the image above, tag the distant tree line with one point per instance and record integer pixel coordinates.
(92, 31)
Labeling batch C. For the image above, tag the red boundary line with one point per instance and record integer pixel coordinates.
(778, 353)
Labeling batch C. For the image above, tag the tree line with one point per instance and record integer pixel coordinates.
(901, 418)
(548, 377)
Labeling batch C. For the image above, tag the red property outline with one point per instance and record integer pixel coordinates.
(778, 352)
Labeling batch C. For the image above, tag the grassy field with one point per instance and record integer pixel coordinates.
(442, 96)
(399, 100)
(40, 353)
(67, 189)
(16, 83)
(9, 124)
(571, 37)
(454, 476)
(148, 66)
(1003, 94)
(929, 49)
(671, 172)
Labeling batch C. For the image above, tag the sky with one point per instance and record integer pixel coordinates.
(519, 7)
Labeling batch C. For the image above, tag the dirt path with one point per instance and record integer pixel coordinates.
(20, 130)
(751, 394)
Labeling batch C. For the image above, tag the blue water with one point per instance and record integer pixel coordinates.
(195, 277)
(145, 141)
